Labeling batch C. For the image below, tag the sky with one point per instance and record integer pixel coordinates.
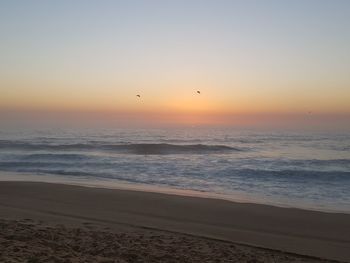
(275, 61)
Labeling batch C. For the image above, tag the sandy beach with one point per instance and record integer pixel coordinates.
(43, 222)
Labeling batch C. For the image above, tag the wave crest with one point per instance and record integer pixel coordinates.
(132, 148)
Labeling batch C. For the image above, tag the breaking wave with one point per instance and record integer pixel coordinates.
(139, 148)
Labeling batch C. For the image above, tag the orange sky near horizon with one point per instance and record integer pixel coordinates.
(239, 99)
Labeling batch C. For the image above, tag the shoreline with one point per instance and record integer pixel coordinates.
(123, 185)
(304, 232)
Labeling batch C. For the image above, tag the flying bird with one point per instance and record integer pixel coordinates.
(198, 92)
(138, 95)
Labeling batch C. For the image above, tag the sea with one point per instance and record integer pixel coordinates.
(307, 170)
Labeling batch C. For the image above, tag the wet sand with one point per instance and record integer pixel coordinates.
(41, 221)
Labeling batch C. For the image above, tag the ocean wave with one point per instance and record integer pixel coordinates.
(304, 162)
(164, 148)
(54, 156)
(138, 148)
(96, 169)
(297, 175)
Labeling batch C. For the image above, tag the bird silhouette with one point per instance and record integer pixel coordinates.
(138, 95)
(198, 92)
